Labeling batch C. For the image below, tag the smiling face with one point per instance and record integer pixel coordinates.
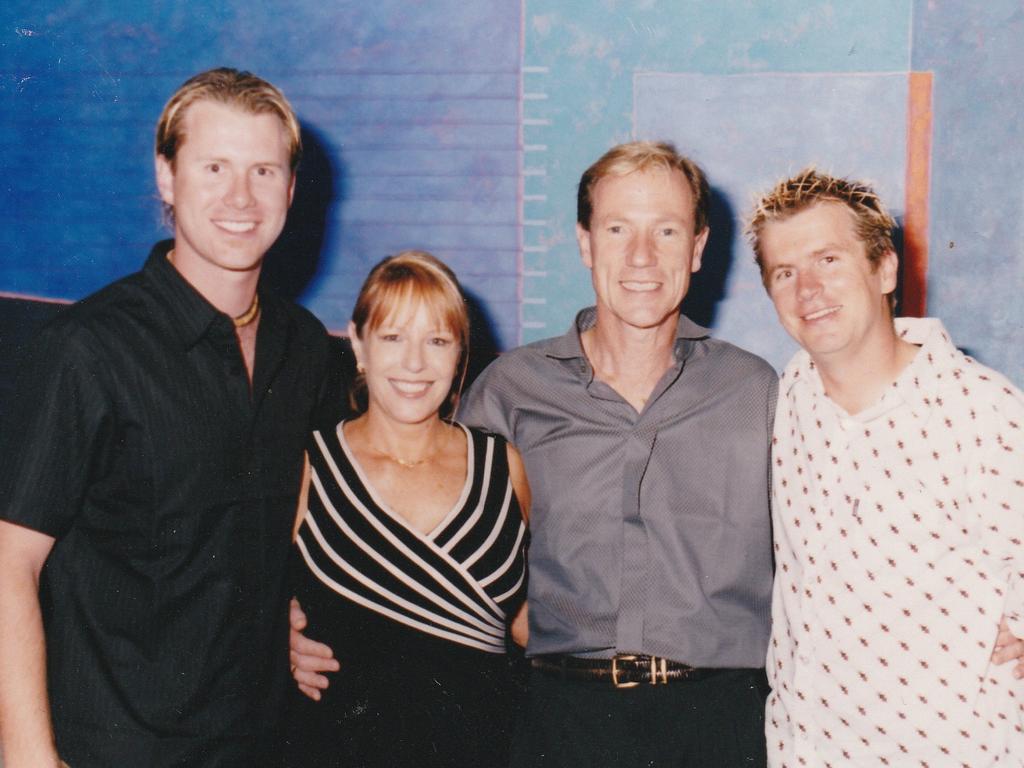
(828, 295)
(409, 363)
(641, 248)
(230, 186)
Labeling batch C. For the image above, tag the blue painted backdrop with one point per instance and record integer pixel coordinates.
(755, 90)
(463, 128)
(411, 118)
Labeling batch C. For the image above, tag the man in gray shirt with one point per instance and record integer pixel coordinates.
(646, 444)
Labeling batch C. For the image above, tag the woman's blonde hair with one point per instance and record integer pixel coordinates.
(409, 279)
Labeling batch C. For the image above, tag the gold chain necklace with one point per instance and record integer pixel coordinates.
(249, 315)
(246, 317)
(407, 463)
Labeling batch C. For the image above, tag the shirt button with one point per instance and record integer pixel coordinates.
(848, 424)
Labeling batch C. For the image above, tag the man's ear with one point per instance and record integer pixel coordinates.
(698, 248)
(291, 189)
(165, 179)
(888, 271)
(583, 240)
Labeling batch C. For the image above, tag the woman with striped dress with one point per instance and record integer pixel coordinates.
(409, 553)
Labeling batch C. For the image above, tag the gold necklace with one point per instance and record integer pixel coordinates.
(249, 315)
(407, 463)
(246, 317)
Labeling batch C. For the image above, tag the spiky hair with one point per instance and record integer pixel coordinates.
(873, 223)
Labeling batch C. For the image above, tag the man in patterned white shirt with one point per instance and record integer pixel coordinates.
(898, 492)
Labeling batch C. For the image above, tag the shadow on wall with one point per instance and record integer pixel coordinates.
(483, 341)
(293, 261)
(899, 243)
(708, 286)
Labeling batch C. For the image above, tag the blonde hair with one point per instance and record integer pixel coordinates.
(872, 222)
(635, 156)
(234, 88)
(409, 279)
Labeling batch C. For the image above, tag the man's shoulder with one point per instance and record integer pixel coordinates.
(943, 368)
(739, 355)
(516, 363)
(980, 384)
(100, 314)
(535, 350)
(521, 375)
(303, 320)
(742, 363)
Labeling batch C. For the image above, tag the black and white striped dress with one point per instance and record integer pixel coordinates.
(417, 621)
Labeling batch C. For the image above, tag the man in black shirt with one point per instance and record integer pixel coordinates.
(151, 461)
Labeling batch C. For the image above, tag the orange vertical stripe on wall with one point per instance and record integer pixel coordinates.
(915, 225)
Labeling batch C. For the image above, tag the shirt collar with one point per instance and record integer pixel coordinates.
(569, 347)
(917, 383)
(189, 314)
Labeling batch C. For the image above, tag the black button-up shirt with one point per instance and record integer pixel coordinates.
(171, 489)
(650, 531)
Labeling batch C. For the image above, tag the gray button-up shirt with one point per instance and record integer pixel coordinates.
(651, 531)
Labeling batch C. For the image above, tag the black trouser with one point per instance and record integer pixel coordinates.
(716, 722)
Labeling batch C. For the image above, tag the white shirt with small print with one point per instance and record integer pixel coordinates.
(899, 544)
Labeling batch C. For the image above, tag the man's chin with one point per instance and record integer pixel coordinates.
(644, 321)
(238, 259)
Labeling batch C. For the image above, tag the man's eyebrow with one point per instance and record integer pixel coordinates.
(224, 159)
(826, 248)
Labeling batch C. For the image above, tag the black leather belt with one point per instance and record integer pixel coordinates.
(624, 670)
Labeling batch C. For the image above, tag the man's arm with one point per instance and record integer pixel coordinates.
(1002, 498)
(25, 730)
(55, 431)
(308, 658)
(520, 625)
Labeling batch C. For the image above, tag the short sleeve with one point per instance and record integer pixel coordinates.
(50, 444)
(483, 405)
